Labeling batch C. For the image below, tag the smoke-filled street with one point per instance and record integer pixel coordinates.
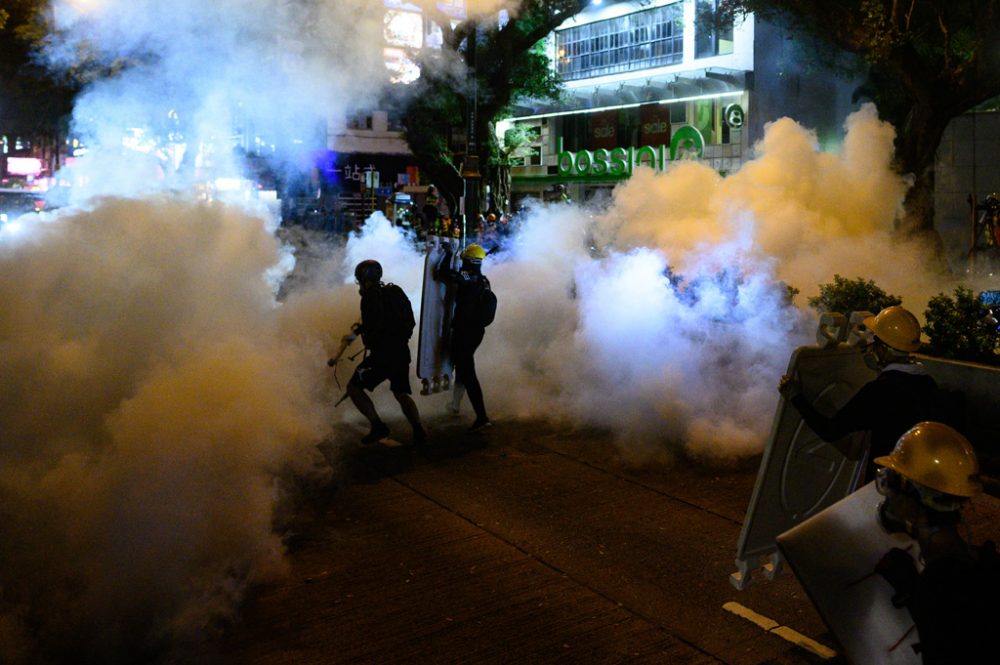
(530, 544)
(181, 478)
(160, 398)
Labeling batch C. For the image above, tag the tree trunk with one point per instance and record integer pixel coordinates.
(916, 153)
(501, 188)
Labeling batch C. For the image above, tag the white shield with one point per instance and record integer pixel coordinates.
(436, 302)
(800, 474)
(833, 555)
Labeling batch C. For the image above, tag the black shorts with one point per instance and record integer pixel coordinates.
(379, 366)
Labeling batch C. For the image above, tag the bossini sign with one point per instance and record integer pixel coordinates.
(686, 143)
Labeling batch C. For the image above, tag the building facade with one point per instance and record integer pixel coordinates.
(653, 81)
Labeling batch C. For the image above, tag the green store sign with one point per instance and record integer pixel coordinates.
(686, 142)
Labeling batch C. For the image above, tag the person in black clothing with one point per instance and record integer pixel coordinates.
(902, 395)
(467, 331)
(385, 328)
(431, 212)
(927, 479)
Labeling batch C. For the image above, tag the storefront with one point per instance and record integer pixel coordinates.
(589, 150)
(646, 84)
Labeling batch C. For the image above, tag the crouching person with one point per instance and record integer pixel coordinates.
(927, 479)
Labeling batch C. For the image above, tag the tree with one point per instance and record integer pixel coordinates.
(852, 295)
(34, 103)
(507, 64)
(962, 327)
(928, 61)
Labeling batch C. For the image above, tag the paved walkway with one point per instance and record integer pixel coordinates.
(522, 546)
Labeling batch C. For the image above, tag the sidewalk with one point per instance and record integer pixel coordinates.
(524, 546)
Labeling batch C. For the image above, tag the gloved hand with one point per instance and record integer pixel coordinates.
(899, 570)
(789, 387)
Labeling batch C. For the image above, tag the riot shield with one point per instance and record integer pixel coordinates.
(436, 303)
(800, 474)
(833, 555)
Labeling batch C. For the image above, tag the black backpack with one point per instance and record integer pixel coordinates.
(486, 303)
(398, 311)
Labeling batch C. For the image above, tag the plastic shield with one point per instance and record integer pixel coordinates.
(433, 362)
(833, 555)
(800, 474)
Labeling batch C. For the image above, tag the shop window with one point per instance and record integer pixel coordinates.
(575, 132)
(678, 113)
(710, 121)
(713, 32)
(704, 119)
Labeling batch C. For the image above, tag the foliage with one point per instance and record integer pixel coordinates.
(34, 103)
(852, 295)
(962, 328)
(928, 62)
(790, 293)
(508, 63)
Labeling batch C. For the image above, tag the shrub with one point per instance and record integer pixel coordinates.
(852, 295)
(962, 328)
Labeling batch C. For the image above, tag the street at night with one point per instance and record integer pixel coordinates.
(499, 331)
(529, 544)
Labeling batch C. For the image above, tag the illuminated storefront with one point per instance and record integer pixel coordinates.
(656, 81)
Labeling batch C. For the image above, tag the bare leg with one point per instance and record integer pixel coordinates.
(409, 409)
(363, 402)
(412, 416)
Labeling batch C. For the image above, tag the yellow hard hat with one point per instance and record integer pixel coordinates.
(937, 457)
(897, 327)
(474, 253)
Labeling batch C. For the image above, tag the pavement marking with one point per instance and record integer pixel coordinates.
(784, 632)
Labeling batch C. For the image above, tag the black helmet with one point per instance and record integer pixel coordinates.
(368, 271)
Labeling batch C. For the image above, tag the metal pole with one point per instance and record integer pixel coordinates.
(470, 167)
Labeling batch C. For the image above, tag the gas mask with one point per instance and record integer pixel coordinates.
(875, 354)
(871, 359)
(911, 508)
(895, 512)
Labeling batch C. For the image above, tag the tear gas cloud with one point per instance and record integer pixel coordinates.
(196, 71)
(680, 327)
(479, 9)
(156, 396)
(153, 394)
(665, 316)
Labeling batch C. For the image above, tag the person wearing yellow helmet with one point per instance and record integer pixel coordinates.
(927, 479)
(487, 236)
(902, 395)
(468, 325)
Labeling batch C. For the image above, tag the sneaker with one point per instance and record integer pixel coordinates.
(480, 424)
(379, 431)
(419, 438)
(453, 408)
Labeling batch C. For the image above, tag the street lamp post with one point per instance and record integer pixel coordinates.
(470, 167)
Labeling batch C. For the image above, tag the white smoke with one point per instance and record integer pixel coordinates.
(153, 392)
(666, 317)
(190, 74)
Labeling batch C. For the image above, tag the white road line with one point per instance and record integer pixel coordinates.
(784, 632)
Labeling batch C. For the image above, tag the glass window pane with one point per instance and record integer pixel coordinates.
(649, 38)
